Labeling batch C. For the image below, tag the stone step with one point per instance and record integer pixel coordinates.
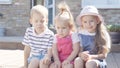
(15, 43)
(11, 43)
(18, 45)
(115, 48)
(11, 39)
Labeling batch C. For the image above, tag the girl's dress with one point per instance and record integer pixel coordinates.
(64, 47)
(87, 42)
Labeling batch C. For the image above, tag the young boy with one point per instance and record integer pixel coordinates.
(37, 39)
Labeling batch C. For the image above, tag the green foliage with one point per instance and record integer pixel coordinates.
(113, 27)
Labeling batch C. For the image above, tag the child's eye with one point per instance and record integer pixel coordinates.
(57, 27)
(42, 20)
(85, 21)
(36, 21)
(91, 21)
(64, 27)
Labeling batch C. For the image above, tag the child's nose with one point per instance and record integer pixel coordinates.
(60, 30)
(40, 23)
(88, 23)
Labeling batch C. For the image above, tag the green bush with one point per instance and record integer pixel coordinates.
(113, 27)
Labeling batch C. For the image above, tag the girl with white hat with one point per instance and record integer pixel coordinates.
(94, 39)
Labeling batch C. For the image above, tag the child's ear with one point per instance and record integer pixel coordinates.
(30, 21)
(46, 20)
(98, 20)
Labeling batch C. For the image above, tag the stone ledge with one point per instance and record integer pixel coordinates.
(12, 42)
(115, 48)
(11, 39)
(15, 43)
(11, 45)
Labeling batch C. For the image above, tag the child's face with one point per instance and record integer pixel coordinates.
(38, 21)
(89, 22)
(62, 29)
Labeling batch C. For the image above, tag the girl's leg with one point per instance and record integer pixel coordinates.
(52, 65)
(92, 64)
(68, 66)
(34, 63)
(78, 63)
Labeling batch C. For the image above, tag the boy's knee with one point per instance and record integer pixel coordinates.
(34, 61)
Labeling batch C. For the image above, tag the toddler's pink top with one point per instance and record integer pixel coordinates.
(64, 46)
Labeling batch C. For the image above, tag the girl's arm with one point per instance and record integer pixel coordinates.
(26, 55)
(55, 56)
(86, 56)
(81, 50)
(55, 52)
(98, 56)
(76, 48)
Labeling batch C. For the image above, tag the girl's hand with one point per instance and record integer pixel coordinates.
(57, 64)
(65, 62)
(85, 55)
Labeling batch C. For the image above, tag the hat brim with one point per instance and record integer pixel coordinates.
(78, 19)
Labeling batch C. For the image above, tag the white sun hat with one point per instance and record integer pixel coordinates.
(88, 10)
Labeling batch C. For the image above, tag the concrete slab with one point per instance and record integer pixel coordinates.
(11, 58)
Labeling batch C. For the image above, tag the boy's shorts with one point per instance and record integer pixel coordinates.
(39, 57)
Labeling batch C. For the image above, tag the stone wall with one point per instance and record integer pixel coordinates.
(15, 17)
(110, 16)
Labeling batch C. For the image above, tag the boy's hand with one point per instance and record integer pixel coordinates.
(46, 60)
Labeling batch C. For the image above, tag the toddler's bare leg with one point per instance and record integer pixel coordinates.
(78, 63)
(68, 66)
(52, 65)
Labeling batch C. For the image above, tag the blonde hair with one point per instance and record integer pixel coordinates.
(102, 39)
(39, 9)
(65, 15)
